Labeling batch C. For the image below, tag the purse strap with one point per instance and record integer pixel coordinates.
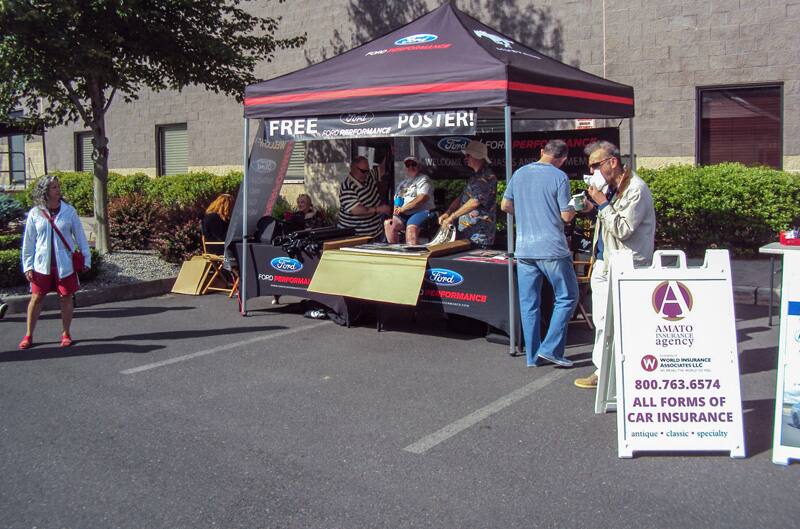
(53, 224)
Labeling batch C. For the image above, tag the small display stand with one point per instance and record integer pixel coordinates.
(786, 438)
(672, 351)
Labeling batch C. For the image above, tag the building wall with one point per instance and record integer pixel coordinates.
(664, 48)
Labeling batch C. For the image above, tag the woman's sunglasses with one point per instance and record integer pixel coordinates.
(411, 164)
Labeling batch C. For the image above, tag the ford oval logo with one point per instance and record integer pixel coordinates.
(361, 118)
(265, 165)
(453, 143)
(416, 39)
(444, 277)
(286, 264)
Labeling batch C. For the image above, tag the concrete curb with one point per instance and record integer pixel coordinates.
(85, 298)
(755, 295)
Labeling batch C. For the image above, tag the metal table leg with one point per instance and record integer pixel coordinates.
(771, 286)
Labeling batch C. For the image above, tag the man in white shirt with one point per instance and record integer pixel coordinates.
(413, 201)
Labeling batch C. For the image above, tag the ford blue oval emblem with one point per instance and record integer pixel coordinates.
(416, 39)
(443, 277)
(286, 264)
(453, 143)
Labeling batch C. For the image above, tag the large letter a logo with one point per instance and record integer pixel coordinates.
(672, 300)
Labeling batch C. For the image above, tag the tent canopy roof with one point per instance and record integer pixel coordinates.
(444, 59)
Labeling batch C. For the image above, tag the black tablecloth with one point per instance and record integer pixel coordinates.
(464, 284)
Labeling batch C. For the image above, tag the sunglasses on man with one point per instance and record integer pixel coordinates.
(411, 164)
(596, 165)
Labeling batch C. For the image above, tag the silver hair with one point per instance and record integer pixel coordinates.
(39, 192)
(556, 148)
(610, 148)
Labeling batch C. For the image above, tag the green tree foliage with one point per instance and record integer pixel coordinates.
(66, 60)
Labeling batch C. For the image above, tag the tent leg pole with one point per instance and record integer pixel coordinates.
(243, 257)
(512, 313)
(633, 156)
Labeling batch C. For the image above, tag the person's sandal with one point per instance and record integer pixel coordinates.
(66, 340)
(26, 343)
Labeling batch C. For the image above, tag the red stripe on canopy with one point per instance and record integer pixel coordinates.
(566, 92)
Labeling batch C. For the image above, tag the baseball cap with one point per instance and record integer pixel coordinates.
(477, 150)
(410, 159)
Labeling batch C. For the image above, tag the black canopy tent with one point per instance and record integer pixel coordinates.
(444, 59)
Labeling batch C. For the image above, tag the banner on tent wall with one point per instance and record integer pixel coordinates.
(373, 125)
(266, 170)
(676, 361)
(786, 438)
(443, 158)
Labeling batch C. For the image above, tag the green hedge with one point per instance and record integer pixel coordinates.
(177, 190)
(725, 206)
(11, 242)
(11, 268)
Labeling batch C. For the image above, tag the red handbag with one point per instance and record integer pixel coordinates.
(78, 261)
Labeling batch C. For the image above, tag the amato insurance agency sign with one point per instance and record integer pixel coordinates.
(676, 363)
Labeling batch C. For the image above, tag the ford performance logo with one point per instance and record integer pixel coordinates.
(357, 118)
(453, 143)
(444, 277)
(286, 264)
(416, 39)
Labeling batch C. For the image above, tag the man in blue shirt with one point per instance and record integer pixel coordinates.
(538, 196)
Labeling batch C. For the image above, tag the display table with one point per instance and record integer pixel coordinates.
(463, 284)
(775, 249)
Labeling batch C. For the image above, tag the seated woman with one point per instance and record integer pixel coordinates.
(216, 220)
(306, 215)
(413, 202)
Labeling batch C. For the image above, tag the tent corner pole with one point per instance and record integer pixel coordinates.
(512, 316)
(630, 132)
(243, 257)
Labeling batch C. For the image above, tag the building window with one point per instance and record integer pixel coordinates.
(296, 172)
(83, 151)
(740, 124)
(172, 149)
(12, 161)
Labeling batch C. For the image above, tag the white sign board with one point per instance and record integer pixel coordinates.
(676, 362)
(584, 124)
(786, 439)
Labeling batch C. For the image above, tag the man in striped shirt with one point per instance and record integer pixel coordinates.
(359, 201)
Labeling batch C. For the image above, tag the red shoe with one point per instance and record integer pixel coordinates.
(66, 340)
(26, 343)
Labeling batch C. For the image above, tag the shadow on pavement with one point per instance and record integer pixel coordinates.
(111, 312)
(758, 360)
(181, 335)
(759, 418)
(79, 348)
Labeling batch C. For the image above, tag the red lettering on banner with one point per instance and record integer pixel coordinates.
(459, 296)
(293, 280)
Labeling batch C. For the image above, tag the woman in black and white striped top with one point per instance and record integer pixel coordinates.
(359, 201)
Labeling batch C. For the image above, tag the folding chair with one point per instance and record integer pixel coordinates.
(217, 261)
(583, 261)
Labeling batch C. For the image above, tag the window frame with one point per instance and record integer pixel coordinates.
(159, 136)
(78, 144)
(698, 114)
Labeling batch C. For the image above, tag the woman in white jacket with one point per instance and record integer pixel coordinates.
(46, 260)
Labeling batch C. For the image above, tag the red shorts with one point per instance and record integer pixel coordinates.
(65, 286)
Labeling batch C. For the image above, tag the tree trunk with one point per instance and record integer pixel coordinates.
(100, 157)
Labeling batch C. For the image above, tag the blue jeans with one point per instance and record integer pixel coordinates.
(561, 275)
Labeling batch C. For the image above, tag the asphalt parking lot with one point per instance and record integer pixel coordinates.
(177, 412)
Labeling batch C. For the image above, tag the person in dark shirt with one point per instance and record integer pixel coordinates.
(216, 220)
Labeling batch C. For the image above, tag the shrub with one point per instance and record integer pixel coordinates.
(11, 268)
(11, 242)
(726, 206)
(10, 210)
(134, 220)
(183, 239)
(192, 189)
(125, 185)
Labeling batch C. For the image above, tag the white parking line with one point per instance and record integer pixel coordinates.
(217, 349)
(429, 441)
